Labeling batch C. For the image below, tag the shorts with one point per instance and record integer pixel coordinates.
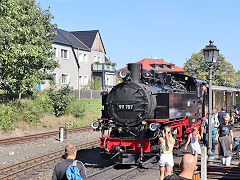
(166, 160)
(226, 160)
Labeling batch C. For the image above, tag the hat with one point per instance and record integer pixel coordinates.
(225, 130)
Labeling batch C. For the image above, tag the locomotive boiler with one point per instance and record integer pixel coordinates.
(136, 110)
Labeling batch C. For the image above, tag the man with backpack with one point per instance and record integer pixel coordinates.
(69, 168)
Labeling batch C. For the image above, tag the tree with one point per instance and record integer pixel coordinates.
(95, 84)
(237, 80)
(223, 71)
(25, 45)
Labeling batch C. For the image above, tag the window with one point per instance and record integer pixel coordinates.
(80, 57)
(164, 66)
(65, 79)
(83, 80)
(85, 57)
(99, 59)
(172, 66)
(95, 59)
(64, 54)
(55, 55)
(54, 75)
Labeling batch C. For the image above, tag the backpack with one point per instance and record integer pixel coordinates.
(72, 172)
(172, 177)
(235, 143)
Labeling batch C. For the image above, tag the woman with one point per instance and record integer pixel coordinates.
(194, 137)
(215, 125)
(166, 143)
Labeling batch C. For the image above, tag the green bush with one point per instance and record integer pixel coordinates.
(76, 108)
(42, 100)
(60, 99)
(8, 115)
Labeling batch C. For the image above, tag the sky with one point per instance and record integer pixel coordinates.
(166, 29)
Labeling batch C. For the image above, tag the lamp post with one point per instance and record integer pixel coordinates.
(210, 55)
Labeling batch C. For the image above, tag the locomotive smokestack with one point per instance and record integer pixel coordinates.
(134, 68)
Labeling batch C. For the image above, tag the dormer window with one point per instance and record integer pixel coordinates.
(156, 66)
(172, 67)
(164, 66)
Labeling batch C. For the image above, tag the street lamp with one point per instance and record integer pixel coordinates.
(210, 56)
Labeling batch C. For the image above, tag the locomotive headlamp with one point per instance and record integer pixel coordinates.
(154, 126)
(95, 124)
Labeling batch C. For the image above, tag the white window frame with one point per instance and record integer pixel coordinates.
(85, 56)
(85, 80)
(55, 74)
(63, 83)
(80, 58)
(63, 55)
(95, 59)
(82, 80)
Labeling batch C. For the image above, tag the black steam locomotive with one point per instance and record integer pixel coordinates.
(137, 109)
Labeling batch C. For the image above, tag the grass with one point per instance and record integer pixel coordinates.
(93, 112)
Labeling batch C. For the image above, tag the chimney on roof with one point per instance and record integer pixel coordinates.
(162, 59)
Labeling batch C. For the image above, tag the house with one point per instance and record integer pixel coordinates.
(77, 53)
(158, 65)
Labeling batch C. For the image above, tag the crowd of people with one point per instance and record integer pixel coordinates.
(222, 134)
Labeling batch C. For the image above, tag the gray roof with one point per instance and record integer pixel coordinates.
(224, 88)
(67, 38)
(87, 37)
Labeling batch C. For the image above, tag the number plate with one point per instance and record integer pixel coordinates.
(125, 107)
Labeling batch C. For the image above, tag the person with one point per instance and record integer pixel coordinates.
(188, 166)
(236, 114)
(215, 125)
(59, 172)
(166, 143)
(225, 142)
(221, 115)
(222, 128)
(194, 137)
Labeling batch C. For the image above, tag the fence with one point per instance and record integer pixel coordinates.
(87, 94)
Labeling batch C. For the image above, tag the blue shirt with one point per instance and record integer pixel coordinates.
(215, 121)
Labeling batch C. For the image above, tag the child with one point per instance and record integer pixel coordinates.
(195, 146)
(225, 147)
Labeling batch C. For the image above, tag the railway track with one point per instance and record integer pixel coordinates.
(18, 169)
(115, 171)
(41, 135)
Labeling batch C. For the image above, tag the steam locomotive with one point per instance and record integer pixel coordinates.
(136, 110)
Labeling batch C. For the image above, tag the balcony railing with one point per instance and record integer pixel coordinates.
(102, 67)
